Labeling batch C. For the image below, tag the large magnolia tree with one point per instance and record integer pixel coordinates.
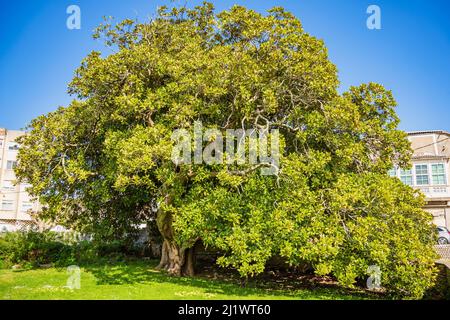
(103, 164)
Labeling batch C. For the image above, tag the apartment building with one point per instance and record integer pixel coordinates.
(429, 172)
(15, 203)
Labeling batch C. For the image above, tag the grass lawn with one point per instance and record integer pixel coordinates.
(139, 280)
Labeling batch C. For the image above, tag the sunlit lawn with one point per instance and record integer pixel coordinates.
(140, 280)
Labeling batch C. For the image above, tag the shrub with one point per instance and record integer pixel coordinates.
(32, 249)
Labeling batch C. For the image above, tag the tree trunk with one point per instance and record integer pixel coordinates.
(175, 260)
(172, 258)
(189, 265)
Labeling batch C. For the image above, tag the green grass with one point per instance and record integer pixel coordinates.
(140, 280)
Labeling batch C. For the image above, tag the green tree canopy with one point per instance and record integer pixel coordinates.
(103, 164)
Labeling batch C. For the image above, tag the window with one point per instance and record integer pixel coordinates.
(26, 206)
(406, 177)
(438, 173)
(422, 174)
(7, 205)
(12, 146)
(10, 165)
(8, 185)
(392, 172)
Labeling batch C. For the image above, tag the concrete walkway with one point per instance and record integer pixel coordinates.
(443, 251)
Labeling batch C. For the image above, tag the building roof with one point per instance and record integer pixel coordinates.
(414, 133)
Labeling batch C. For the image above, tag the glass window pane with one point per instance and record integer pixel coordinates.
(8, 185)
(7, 205)
(438, 174)
(406, 176)
(26, 206)
(437, 168)
(407, 180)
(421, 169)
(392, 172)
(11, 164)
(13, 146)
(422, 179)
(438, 179)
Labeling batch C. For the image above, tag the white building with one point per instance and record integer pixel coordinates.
(15, 203)
(429, 172)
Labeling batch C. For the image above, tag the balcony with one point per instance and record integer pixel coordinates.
(435, 192)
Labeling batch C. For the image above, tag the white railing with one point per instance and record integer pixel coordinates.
(435, 191)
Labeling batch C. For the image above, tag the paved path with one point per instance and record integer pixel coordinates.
(444, 252)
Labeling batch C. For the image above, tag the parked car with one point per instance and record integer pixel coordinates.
(443, 235)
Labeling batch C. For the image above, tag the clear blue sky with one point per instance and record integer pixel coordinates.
(409, 55)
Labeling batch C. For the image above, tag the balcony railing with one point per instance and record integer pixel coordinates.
(435, 191)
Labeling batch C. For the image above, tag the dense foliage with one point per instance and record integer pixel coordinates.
(30, 249)
(103, 164)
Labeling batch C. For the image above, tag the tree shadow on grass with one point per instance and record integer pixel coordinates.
(229, 284)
